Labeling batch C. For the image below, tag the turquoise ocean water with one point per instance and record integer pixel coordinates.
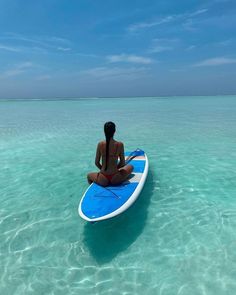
(178, 238)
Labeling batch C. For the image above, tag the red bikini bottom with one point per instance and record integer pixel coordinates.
(109, 176)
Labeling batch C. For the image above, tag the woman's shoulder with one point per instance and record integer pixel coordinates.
(119, 144)
(101, 142)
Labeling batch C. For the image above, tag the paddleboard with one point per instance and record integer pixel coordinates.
(100, 203)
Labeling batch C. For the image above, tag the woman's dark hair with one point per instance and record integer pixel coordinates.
(109, 130)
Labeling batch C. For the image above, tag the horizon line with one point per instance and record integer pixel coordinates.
(116, 97)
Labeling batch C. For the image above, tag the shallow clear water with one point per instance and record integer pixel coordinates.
(178, 238)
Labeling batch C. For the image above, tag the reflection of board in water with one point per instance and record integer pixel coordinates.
(99, 203)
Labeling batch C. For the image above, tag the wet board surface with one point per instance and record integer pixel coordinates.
(99, 203)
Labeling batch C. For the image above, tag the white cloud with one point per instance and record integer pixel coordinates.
(159, 48)
(217, 61)
(13, 72)
(57, 39)
(44, 40)
(224, 42)
(144, 25)
(189, 25)
(106, 73)
(24, 49)
(87, 55)
(9, 48)
(191, 47)
(18, 69)
(63, 48)
(41, 44)
(160, 45)
(168, 19)
(129, 59)
(197, 12)
(24, 65)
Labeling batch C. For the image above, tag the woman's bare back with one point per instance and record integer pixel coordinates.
(115, 172)
(114, 153)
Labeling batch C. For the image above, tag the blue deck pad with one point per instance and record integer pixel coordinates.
(138, 165)
(136, 152)
(101, 201)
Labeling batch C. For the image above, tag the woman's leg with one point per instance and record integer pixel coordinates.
(123, 174)
(97, 178)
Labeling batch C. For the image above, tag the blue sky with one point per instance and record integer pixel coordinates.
(88, 48)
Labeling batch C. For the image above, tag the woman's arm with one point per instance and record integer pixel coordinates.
(122, 157)
(98, 157)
